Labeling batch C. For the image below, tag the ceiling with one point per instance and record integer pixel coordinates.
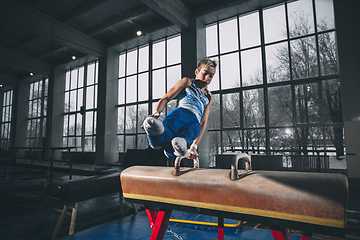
(38, 35)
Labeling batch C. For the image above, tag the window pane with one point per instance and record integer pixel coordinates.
(131, 63)
(249, 30)
(67, 81)
(81, 77)
(142, 114)
(73, 100)
(74, 78)
(122, 65)
(327, 51)
(173, 76)
(130, 120)
(280, 107)
(121, 94)
(173, 50)
(228, 36)
(309, 139)
(301, 18)
(255, 140)
(88, 144)
(274, 24)
(214, 145)
(95, 122)
(307, 103)
(232, 141)
(142, 141)
(120, 120)
(130, 142)
(30, 109)
(95, 95)
(143, 88)
(231, 110)
(96, 72)
(335, 140)
(131, 89)
(66, 102)
(78, 124)
(90, 97)
(89, 123)
(80, 98)
(90, 74)
(72, 124)
(214, 116)
(281, 139)
(159, 54)
(251, 67)
(254, 113)
(304, 58)
(120, 143)
(230, 73)
(332, 101)
(66, 123)
(211, 40)
(277, 62)
(324, 15)
(158, 88)
(144, 59)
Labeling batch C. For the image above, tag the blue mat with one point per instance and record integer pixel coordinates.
(137, 227)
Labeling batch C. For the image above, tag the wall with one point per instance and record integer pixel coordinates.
(346, 23)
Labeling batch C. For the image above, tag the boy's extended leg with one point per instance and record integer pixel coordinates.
(155, 131)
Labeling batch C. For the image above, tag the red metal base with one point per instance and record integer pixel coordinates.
(159, 222)
(283, 235)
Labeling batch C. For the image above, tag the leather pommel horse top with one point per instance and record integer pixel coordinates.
(300, 200)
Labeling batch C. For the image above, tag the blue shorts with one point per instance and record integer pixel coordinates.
(180, 122)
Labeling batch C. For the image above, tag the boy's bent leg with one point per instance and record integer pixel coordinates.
(154, 129)
(180, 146)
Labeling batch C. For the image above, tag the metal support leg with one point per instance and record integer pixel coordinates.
(282, 234)
(59, 223)
(158, 222)
(220, 228)
(73, 219)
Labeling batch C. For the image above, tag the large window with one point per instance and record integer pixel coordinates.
(6, 120)
(36, 122)
(81, 88)
(277, 88)
(145, 74)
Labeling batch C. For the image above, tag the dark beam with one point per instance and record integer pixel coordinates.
(7, 80)
(118, 20)
(22, 16)
(22, 61)
(173, 10)
(85, 9)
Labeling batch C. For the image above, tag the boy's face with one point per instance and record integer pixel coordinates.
(205, 74)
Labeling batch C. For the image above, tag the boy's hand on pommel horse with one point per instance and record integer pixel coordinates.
(193, 153)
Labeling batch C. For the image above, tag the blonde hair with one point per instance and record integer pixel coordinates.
(207, 62)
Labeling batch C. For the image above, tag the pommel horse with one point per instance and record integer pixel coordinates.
(309, 202)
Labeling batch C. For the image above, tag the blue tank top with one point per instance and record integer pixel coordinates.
(194, 100)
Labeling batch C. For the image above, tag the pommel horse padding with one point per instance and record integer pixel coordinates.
(77, 190)
(81, 189)
(311, 202)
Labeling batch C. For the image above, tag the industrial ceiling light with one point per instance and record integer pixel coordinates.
(73, 57)
(139, 33)
(31, 74)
